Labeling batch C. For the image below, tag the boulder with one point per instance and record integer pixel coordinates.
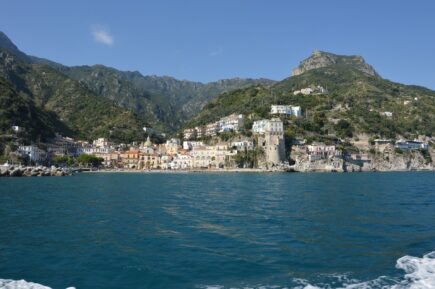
(16, 172)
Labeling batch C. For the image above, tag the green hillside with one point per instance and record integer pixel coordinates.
(85, 114)
(19, 109)
(355, 103)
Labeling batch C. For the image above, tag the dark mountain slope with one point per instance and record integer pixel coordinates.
(86, 115)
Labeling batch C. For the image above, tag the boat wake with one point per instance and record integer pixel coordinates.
(22, 284)
(419, 274)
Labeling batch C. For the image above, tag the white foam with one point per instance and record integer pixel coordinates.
(419, 274)
(22, 284)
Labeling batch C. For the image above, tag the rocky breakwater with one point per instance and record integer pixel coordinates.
(39, 171)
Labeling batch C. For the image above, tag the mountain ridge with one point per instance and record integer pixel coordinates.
(162, 102)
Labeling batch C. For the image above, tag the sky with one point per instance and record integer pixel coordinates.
(208, 40)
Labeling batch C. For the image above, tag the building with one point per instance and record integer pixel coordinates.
(202, 157)
(172, 146)
(17, 129)
(54, 150)
(101, 143)
(217, 156)
(242, 145)
(411, 145)
(165, 161)
(212, 129)
(189, 145)
(233, 122)
(311, 90)
(147, 147)
(272, 126)
(322, 151)
(35, 154)
(149, 161)
(271, 139)
(387, 113)
(200, 131)
(130, 158)
(181, 162)
(189, 133)
(382, 141)
(304, 91)
(286, 110)
(63, 146)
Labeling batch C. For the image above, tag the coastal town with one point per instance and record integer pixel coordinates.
(233, 142)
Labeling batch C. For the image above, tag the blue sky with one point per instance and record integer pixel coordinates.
(207, 40)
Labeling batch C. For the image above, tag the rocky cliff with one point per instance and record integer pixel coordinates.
(389, 160)
(319, 59)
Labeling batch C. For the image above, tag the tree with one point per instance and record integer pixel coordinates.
(89, 160)
(62, 160)
(344, 128)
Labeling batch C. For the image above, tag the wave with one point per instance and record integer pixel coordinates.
(419, 274)
(22, 284)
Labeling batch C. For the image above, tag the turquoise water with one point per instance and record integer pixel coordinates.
(241, 230)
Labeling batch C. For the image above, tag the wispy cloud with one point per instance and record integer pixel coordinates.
(102, 35)
(216, 52)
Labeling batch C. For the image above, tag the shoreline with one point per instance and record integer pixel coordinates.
(131, 171)
(188, 171)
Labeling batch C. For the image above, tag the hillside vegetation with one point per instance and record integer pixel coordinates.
(163, 103)
(355, 103)
(81, 113)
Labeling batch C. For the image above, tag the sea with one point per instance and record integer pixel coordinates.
(218, 231)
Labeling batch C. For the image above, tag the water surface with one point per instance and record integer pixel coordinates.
(210, 230)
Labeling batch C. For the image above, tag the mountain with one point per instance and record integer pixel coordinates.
(92, 101)
(358, 101)
(164, 101)
(76, 110)
(321, 59)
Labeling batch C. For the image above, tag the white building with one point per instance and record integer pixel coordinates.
(321, 151)
(17, 128)
(181, 162)
(379, 141)
(34, 153)
(233, 122)
(202, 157)
(189, 133)
(286, 110)
(387, 113)
(411, 145)
(211, 129)
(101, 143)
(304, 91)
(212, 156)
(242, 145)
(274, 126)
(309, 90)
(189, 145)
(173, 141)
